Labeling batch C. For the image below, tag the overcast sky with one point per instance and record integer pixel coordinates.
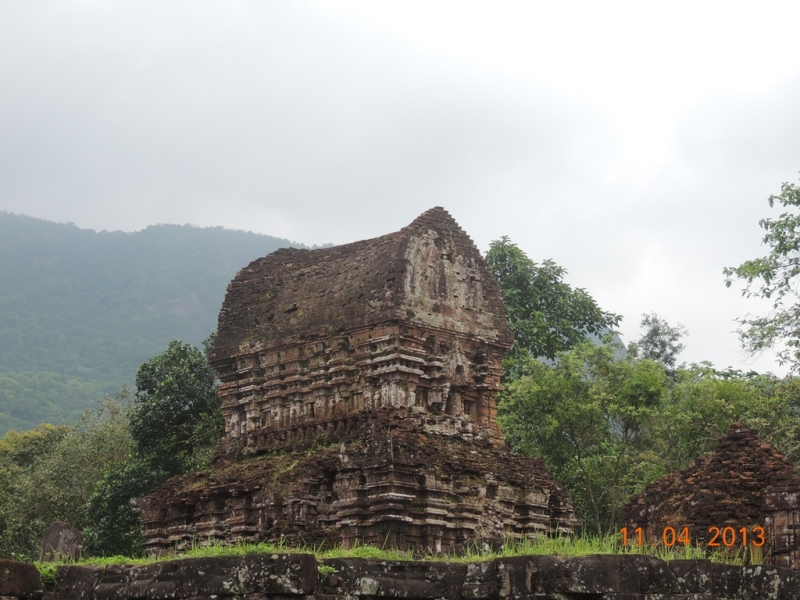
(634, 143)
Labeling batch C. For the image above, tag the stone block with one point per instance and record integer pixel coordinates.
(62, 541)
(19, 579)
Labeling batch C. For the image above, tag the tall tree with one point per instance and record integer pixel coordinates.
(775, 276)
(175, 425)
(589, 418)
(659, 341)
(177, 410)
(546, 315)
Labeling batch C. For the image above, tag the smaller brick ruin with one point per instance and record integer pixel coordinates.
(358, 387)
(743, 483)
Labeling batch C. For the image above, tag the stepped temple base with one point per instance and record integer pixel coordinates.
(378, 480)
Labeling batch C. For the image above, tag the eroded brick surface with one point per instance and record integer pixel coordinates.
(411, 319)
(744, 483)
(358, 389)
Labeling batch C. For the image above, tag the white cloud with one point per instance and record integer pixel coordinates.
(633, 143)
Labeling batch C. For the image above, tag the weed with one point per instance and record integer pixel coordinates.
(326, 570)
(566, 546)
(48, 572)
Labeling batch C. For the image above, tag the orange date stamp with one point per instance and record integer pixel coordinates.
(718, 536)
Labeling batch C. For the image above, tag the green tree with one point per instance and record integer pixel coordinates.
(175, 424)
(589, 417)
(660, 341)
(49, 474)
(702, 402)
(60, 484)
(19, 453)
(775, 276)
(115, 527)
(698, 408)
(177, 413)
(546, 315)
(777, 415)
(22, 450)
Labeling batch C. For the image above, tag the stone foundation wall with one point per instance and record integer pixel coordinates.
(301, 576)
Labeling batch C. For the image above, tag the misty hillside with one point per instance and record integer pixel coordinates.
(80, 310)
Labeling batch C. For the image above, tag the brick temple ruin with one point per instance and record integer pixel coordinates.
(743, 483)
(358, 390)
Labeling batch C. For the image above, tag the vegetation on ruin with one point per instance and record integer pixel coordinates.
(566, 547)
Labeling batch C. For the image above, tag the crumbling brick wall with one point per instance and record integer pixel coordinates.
(410, 319)
(744, 483)
(358, 390)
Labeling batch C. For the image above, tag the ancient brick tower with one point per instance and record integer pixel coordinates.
(744, 483)
(358, 388)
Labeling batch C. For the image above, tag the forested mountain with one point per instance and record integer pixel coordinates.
(81, 310)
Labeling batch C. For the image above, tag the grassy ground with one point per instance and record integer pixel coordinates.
(563, 547)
